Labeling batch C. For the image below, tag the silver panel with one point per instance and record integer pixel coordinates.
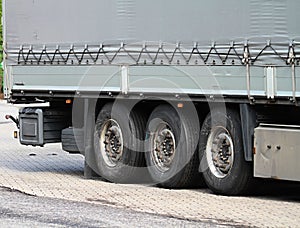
(277, 152)
(78, 21)
(207, 80)
(51, 47)
(67, 78)
(47, 26)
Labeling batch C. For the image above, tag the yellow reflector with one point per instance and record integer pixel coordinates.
(69, 101)
(15, 134)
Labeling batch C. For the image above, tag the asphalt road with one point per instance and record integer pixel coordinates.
(21, 210)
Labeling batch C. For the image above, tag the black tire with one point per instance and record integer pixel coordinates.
(233, 178)
(183, 170)
(130, 166)
(72, 140)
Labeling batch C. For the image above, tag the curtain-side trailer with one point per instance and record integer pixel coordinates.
(169, 92)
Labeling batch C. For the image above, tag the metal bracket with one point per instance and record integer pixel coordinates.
(246, 61)
(125, 80)
(248, 123)
(270, 82)
(291, 61)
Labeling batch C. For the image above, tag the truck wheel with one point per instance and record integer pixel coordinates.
(72, 140)
(222, 162)
(170, 147)
(118, 144)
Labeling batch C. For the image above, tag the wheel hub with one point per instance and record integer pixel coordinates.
(220, 152)
(164, 148)
(112, 142)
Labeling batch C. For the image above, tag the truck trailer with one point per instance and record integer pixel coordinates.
(172, 93)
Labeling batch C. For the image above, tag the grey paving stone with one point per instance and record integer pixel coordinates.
(50, 172)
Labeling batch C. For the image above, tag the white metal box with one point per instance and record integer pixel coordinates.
(277, 152)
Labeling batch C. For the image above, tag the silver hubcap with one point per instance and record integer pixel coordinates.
(111, 142)
(163, 150)
(220, 152)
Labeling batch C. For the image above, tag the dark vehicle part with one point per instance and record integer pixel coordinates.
(118, 143)
(170, 148)
(39, 126)
(72, 140)
(14, 119)
(223, 165)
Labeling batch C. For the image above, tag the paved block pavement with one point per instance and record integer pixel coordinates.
(50, 172)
